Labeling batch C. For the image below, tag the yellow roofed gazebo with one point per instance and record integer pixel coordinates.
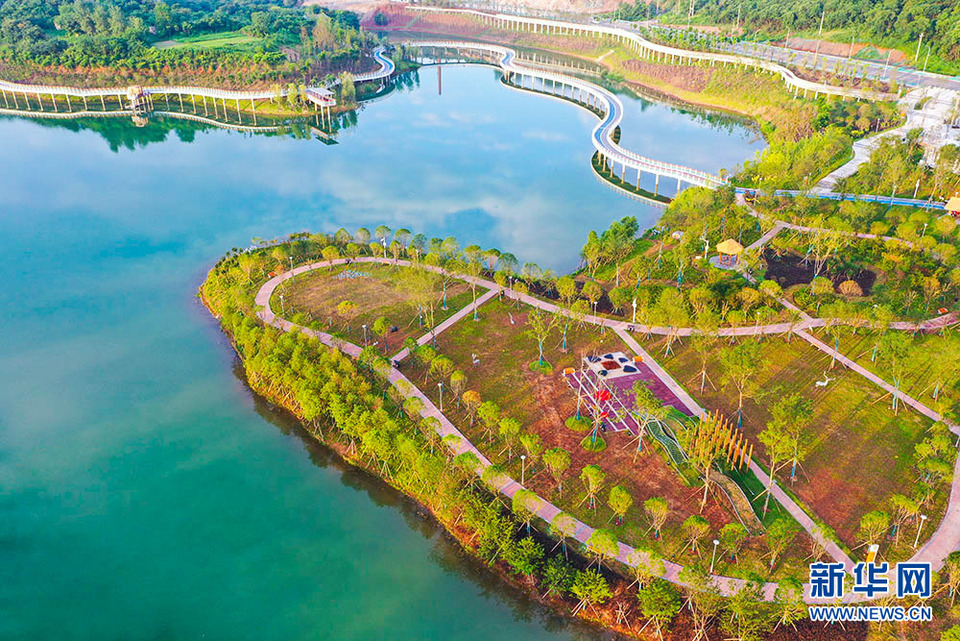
(729, 251)
(953, 206)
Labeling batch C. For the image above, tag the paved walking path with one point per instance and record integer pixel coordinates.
(445, 325)
(943, 541)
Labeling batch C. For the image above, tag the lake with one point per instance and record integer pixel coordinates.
(145, 492)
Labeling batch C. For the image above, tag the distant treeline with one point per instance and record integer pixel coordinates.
(120, 33)
(890, 20)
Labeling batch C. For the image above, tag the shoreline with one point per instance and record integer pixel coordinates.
(462, 537)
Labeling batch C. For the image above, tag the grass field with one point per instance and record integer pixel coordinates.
(223, 40)
(861, 452)
(377, 290)
(542, 402)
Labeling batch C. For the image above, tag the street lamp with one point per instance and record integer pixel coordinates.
(440, 385)
(523, 468)
(364, 335)
(714, 558)
(283, 309)
(634, 311)
(923, 517)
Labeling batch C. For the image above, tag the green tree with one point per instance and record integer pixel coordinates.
(620, 501)
(557, 461)
(660, 603)
(592, 477)
(657, 510)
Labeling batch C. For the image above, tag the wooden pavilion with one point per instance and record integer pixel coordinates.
(730, 251)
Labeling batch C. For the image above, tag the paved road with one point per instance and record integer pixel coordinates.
(833, 64)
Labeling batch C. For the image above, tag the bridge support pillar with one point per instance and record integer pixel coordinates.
(40, 101)
(656, 185)
(15, 103)
(639, 176)
(679, 186)
(103, 103)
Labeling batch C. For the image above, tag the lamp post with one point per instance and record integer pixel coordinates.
(364, 335)
(714, 558)
(283, 309)
(523, 468)
(916, 540)
(634, 321)
(291, 267)
(440, 385)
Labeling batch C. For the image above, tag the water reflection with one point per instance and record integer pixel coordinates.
(445, 551)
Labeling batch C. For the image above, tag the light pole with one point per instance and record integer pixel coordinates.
(364, 335)
(523, 468)
(634, 321)
(916, 540)
(440, 385)
(283, 309)
(714, 558)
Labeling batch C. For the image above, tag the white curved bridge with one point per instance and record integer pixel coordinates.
(658, 52)
(139, 98)
(598, 99)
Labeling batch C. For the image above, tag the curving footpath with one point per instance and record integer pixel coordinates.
(943, 541)
(659, 52)
(320, 96)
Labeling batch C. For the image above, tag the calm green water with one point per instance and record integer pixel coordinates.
(143, 492)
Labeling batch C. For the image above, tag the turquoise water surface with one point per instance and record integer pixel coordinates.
(144, 493)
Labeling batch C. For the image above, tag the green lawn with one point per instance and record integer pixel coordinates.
(861, 452)
(377, 290)
(227, 39)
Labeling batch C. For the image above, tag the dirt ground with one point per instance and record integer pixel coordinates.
(542, 402)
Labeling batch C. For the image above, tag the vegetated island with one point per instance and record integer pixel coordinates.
(529, 414)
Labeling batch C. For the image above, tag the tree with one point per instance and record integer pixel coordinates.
(780, 535)
(694, 529)
(645, 565)
(895, 352)
(566, 289)
(509, 431)
(489, 413)
(593, 291)
(526, 556)
(620, 501)
(524, 505)
(557, 461)
(873, 525)
(532, 446)
(748, 615)
(732, 536)
(592, 477)
(659, 602)
(540, 326)
(703, 598)
(348, 89)
(381, 327)
(591, 588)
(557, 576)
(347, 310)
(658, 510)
(788, 600)
(471, 401)
(603, 544)
(741, 364)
